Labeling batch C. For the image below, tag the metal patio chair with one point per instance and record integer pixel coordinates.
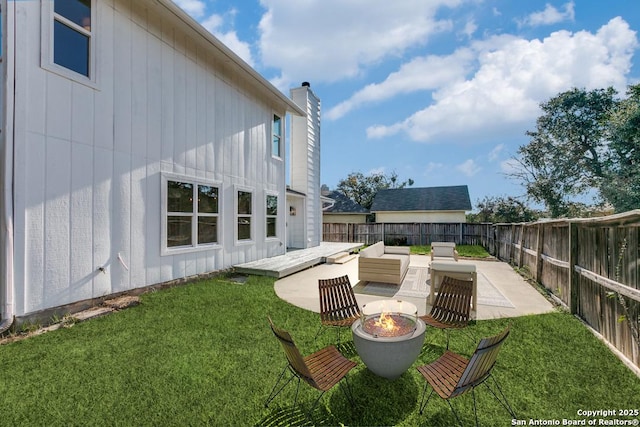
(338, 305)
(321, 370)
(452, 307)
(453, 375)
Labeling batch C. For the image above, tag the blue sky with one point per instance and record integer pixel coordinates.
(440, 91)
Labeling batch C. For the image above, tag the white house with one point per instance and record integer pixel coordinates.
(135, 149)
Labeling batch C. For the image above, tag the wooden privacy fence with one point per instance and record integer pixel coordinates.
(591, 265)
(409, 233)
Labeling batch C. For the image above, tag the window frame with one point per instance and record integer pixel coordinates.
(47, 40)
(267, 216)
(274, 135)
(238, 215)
(194, 214)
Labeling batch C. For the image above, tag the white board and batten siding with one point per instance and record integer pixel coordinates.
(89, 160)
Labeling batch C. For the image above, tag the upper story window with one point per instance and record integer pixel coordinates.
(192, 214)
(68, 38)
(276, 141)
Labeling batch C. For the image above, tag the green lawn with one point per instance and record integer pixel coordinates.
(472, 251)
(203, 354)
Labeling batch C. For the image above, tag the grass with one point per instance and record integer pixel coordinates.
(471, 251)
(202, 354)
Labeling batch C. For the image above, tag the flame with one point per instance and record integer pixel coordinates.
(385, 321)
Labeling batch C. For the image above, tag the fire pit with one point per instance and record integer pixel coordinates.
(388, 337)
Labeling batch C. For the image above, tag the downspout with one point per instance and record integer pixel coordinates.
(6, 216)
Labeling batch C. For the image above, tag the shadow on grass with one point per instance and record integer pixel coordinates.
(287, 416)
(377, 400)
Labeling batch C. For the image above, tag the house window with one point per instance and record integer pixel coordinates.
(244, 215)
(72, 32)
(276, 141)
(192, 214)
(272, 215)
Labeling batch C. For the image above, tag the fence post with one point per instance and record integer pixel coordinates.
(574, 289)
(539, 246)
(521, 252)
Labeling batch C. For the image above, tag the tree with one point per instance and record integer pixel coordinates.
(567, 153)
(502, 209)
(621, 184)
(362, 189)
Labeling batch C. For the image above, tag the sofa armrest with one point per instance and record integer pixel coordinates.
(397, 250)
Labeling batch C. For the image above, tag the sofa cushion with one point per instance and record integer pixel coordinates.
(453, 267)
(404, 260)
(374, 251)
(400, 250)
(443, 251)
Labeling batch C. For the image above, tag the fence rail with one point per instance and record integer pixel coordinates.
(591, 265)
(587, 264)
(408, 233)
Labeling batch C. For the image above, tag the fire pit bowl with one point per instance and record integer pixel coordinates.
(388, 337)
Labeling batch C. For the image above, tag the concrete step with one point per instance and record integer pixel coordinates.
(340, 258)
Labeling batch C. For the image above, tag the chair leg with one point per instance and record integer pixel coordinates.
(295, 399)
(346, 389)
(502, 400)
(475, 408)
(320, 330)
(423, 404)
(276, 391)
(455, 414)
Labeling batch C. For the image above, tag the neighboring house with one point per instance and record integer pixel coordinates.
(427, 204)
(135, 149)
(341, 209)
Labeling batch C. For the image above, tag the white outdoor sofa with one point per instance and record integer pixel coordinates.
(385, 264)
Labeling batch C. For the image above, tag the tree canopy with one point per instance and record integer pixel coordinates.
(585, 141)
(502, 209)
(362, 189)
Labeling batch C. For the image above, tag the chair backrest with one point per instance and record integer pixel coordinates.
(337, 300)
(295, 359)
(453, 301)
(481, 362)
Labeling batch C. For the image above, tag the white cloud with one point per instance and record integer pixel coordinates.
(194, 8)
(495, 153)
(325, 45)
(469, 28)
(422, 73)
(512, 76)
(550, 15)
(215, 23)
(469, 168)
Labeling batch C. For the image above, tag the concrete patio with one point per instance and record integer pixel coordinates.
(301, 288)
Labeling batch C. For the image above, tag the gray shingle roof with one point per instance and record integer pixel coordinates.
(453, 198)
(343, 204)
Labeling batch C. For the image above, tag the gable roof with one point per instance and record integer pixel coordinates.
(343, 204)
(452, 198)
